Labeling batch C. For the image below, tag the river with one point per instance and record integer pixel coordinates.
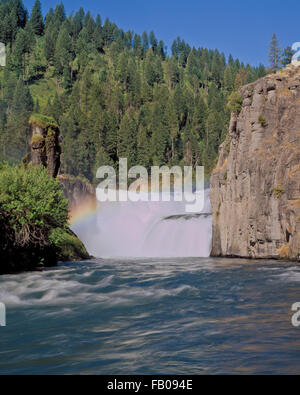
(152, 316)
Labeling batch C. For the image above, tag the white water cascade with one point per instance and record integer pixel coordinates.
(147, 230)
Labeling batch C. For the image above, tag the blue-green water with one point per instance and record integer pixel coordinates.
(184, 316)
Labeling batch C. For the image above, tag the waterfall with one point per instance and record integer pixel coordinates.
(147, 230)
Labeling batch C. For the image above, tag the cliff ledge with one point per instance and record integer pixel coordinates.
(255, 188)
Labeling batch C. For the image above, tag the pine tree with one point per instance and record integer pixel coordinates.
(10, 27)
(127, 144)
(37, 108)
(145, 42)
(59, 13)
(101, 159)
(230, 60)
(153, 69)
(90, 25)
(22, 101)
(153, 41)
(122, 69)
(161, 50)
(49, 18)
(63, 51)
(137, 45)
(173, 128)
(36, 18)
(286, 56)
(143, 148)
(77, 22)
(274, 53)
(20, 12)
(199, 118)
(229, 79)
(51, 34)
(23, 46)
(160, 137)
(110, 131)
(217, 70)
(98, 37)
(173, 73)
(56, 108)
(16, 133)
(133, 83)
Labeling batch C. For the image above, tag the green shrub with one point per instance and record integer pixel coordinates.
(278, 191)
(227, 143)
(234, 103)
(32, 198)
(262, 120)
(31, 205)
(43, 121)
(250, 90)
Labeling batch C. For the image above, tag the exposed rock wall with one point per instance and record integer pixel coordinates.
(255, 189)
(80, 193)
(46, 150)
(45, 145)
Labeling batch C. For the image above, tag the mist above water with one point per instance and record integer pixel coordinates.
(147, 229)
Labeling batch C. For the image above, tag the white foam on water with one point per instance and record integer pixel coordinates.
(58, 288)
(291, 275)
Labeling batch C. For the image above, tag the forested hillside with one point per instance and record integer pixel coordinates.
(113, 93)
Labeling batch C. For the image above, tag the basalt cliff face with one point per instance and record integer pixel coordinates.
(255, 188)
(80, 194)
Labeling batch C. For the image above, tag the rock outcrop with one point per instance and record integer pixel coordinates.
(255, 188)
(62, 244)
(45, 146)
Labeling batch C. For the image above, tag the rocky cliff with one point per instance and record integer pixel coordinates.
(80, 194)
(255, 188)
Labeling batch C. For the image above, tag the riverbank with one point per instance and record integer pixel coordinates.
(34, 230)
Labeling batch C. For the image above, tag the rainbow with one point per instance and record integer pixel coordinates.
(83, 211)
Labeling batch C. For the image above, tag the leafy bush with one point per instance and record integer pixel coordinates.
(43, 121)
(31, 198)
(31, 205)
(227, 143)
(234, 103)
(262, 120)
(250, 90)
(278, 191)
